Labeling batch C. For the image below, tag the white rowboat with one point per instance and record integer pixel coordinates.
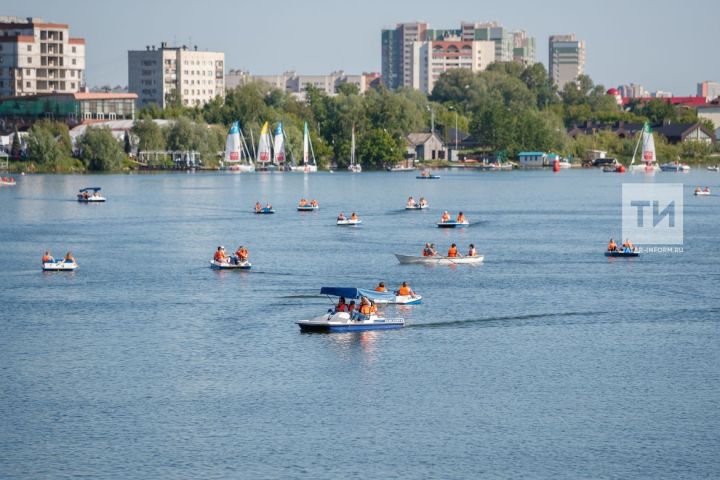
(438, 260)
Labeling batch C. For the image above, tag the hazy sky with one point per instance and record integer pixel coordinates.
(664, 45)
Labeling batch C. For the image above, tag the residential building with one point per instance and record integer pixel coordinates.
(566, 59)
(633, 91)
(711, 112)
(39, 57)
(158, 75)
(709, 90)
(674, 132)
(425, 146)
(533, 159)
(296, 84)
(432, 58)
(398, 49)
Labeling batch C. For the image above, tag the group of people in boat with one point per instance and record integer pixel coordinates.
(426, 173)
(86, 195)
(431, 251)
(304, 203)
(627, 246)
(420, 203)
(403, 291)
(241, 255)
(357, 312)
(704, 190)
(7, 180)
(48, 258)
(353, 217)
(446, 218)
(260, 208)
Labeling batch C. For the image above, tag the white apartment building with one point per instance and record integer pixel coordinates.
(566, 59)
(155, 75)
(296, 84)
(431, 59)
(39, 57)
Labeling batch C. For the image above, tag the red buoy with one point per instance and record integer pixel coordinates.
(620, 169)
(556, 165)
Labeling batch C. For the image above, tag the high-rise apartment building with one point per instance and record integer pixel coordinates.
(709, 90)
(157, 75)
(633, 91)
(39, 57)
(566, 59)
(398, 50)
(432, 58)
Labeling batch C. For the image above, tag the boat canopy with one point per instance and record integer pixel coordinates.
(87, 189)
(352, 292)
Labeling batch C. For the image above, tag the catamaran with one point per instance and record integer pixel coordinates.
(237, 156)
(354, 166)
(264, 152)
(308, 161)
(649, 159)
(279, 147)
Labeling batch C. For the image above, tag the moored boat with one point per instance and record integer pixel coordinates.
(714, 168)
(237, 157)
(354, 166)
(438, 260)
(309, 165)
(90, 195)
(675, 167)
(648, 157)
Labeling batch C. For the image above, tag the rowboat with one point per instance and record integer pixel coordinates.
(348, 222)
(85, 195)
(345, 322)
(453, 224)
(265, 211)
(438, 260)
(59, 266)
(230, 266)
(623, 253)
(307, 208)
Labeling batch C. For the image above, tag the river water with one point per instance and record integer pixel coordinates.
(547, 361)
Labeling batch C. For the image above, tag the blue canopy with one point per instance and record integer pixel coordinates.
(87, 189)
(352, 292)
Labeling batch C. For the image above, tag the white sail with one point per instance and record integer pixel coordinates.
(233, 145)
(263, 153)
(354, 167)
(279, 145)
(306, 146)
(648, 157)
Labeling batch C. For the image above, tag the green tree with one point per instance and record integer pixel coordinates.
(149, 135)
(15, 148)
(378, 148)
(99, 149)
(43, 147)
(127, 144)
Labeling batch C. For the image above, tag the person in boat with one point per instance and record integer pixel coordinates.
(427, 251)
(220, 256)
(341, 306)
(69, 258)
(341, 217)
(433, 250)
(48, 258)
(453, 252)
(706, 189)
(258, 207)
(351, 309)
(268, 206)
(445, 217)
(411, 202)
(612, 246)
(460, 218)
(405, 290)
(85, 195)
(366, 309)
(314, 203)
(423, 202)
(354, 217)
(381, 287)
(472, 251)
(241, 254)
(303, 202)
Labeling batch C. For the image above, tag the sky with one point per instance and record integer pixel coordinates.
(664, 45)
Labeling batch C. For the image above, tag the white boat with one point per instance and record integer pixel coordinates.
(702, 193)
(390, 298)
(237, 156)
(649, 159)
(400, 168)
(349, 222)
(279, 147)
(715, 168)
(674, 167)
(354, 166)
(307, 208)
(90, 195)
(453, 224)
(344, 322)
(564, 164)
(438, 260)
(417, 206)
(309, 165)
(7, 181)
(59, 266)
(263, 161)
(246, 265)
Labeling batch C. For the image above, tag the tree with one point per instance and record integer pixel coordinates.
(42, 146)
(149, 135)
(128, 145)
(16, 149)
(99, 149)
(377, 148)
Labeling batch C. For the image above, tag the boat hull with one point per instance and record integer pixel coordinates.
(307, 209)
(401, 300)
(644, 168)
(453, 224)
(90, 199)
(59, 266)
(240, 168)
(416, 207)
(671, 167)
(701, 194)
(438, 260)
(622, 254)
(429, 177)
(265, 211)
(230, 266)
(348, 223)
(304, 169)
(341, 322)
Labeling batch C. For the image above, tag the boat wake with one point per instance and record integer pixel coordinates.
(470, 321)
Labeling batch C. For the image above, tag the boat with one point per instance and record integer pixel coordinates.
(60, 266)
(345, 322)
(453, 224)
(307, 208)
(391, 298)
(438, 260)
(279, 147)
(426, 175)
(263, 161)
(417, 206)
(7, 181)
(715, 168)
(265, 211)
(349, 222)
(237, 156)
(625, 252)
(246, 265)
(675, 167)
(354, 166)
(309, 165)
(618, 168)
(564, 164)
(649, 159)
(85, 195)
(705, 192)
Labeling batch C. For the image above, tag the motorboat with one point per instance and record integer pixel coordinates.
(704, 192)
(345, 322)
(623, 252)
(60, 266)
(231, 265)
(90, 195)
(675, 167)
(349, 222)
(438, 260)
(453, 224)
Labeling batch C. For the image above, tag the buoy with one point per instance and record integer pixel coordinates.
(621, 169)
(556, 165)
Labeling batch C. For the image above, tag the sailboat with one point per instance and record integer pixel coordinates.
(237, 157)
(264, 154)
(354, 166)
(279, 147)
(308, 161)
(649, 159)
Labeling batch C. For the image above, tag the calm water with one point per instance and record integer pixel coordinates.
(547, 361)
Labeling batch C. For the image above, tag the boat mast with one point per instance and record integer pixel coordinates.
(636, 147)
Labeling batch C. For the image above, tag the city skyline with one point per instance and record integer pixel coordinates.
(319, 39)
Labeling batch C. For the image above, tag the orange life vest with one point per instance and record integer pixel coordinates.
(366, 309)
(380, 289)
(404, 291)
(219, 256)
(46, 258)
(452, 252)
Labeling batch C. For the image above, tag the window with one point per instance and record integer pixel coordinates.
(29, 48)
(27, 84)
(74, 61)
(29, 59)
(27, 71)
(74, 50)
(72, 85)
